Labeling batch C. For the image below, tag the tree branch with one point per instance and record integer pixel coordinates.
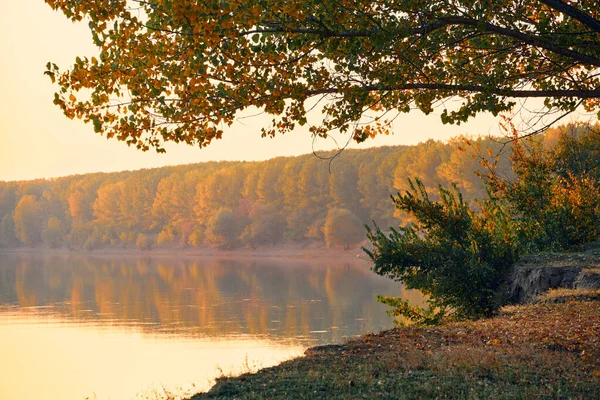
(273, 27)
(523, 37)
(574, 13)
(581, 94)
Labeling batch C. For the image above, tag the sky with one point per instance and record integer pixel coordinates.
(37, 141)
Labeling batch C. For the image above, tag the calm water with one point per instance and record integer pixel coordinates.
(111, 327)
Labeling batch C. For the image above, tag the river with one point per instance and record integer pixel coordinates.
(119, 327)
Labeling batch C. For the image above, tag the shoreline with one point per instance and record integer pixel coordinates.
(524, 352)
(542, 347)
(296, 252)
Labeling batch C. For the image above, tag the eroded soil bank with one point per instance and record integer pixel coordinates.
(537, 274)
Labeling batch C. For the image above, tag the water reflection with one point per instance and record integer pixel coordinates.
(316, 301)
(112, 326)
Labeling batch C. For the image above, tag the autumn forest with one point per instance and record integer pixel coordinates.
(305, 199)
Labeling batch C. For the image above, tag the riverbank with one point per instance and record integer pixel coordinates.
(550, 349)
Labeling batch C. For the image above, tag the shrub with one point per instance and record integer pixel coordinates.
(266, 226)
(223, 229)
(127, 237)
(453, 255)
(555, 197)
(93, 241)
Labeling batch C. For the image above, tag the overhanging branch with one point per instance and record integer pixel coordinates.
(441, 87)
(574, 13)
(532, 40)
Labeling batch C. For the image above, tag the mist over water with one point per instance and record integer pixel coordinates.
(115, 326)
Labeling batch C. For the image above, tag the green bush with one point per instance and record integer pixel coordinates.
(456, 257)
(224, 228)
(93, 241)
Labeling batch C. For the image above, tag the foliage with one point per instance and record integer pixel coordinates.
(53, 232)
(143, 242)
(266, 226)
(165, 238)
(554, 197)
(181, 70)
(93, 241)
(7, 231)
(460, 258)
(454, 255)
(196, 238)
(342, 228)
(28, 219)
(284, 199)
(223, 229)
(577, 151)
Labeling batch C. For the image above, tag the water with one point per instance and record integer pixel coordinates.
(117, 327)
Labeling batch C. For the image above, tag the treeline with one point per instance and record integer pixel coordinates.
(232, 204)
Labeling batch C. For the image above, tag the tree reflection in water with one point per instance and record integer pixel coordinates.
(316, 301)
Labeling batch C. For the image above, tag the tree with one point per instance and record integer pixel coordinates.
(53, 232)
(28, 220)
(8, 198)
(223, 229)
(266, 226)
(342, 228)
(165, 238)
(7, 231)
(143, 242)
(221, 189)
(180, 70)
(457, 257)
(343, 186)
(375, 185)
(554, 196)
(173, 205)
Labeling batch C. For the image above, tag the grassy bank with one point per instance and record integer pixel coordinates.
(550, 349)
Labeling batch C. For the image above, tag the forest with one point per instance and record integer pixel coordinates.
(226, 205)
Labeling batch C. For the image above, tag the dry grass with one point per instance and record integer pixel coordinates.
(563, 295)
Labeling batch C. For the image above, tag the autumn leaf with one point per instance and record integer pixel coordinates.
(361, 60)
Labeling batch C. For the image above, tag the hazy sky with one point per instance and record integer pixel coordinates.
(37, 141)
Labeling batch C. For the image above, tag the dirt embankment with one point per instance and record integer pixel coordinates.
(542, 272)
